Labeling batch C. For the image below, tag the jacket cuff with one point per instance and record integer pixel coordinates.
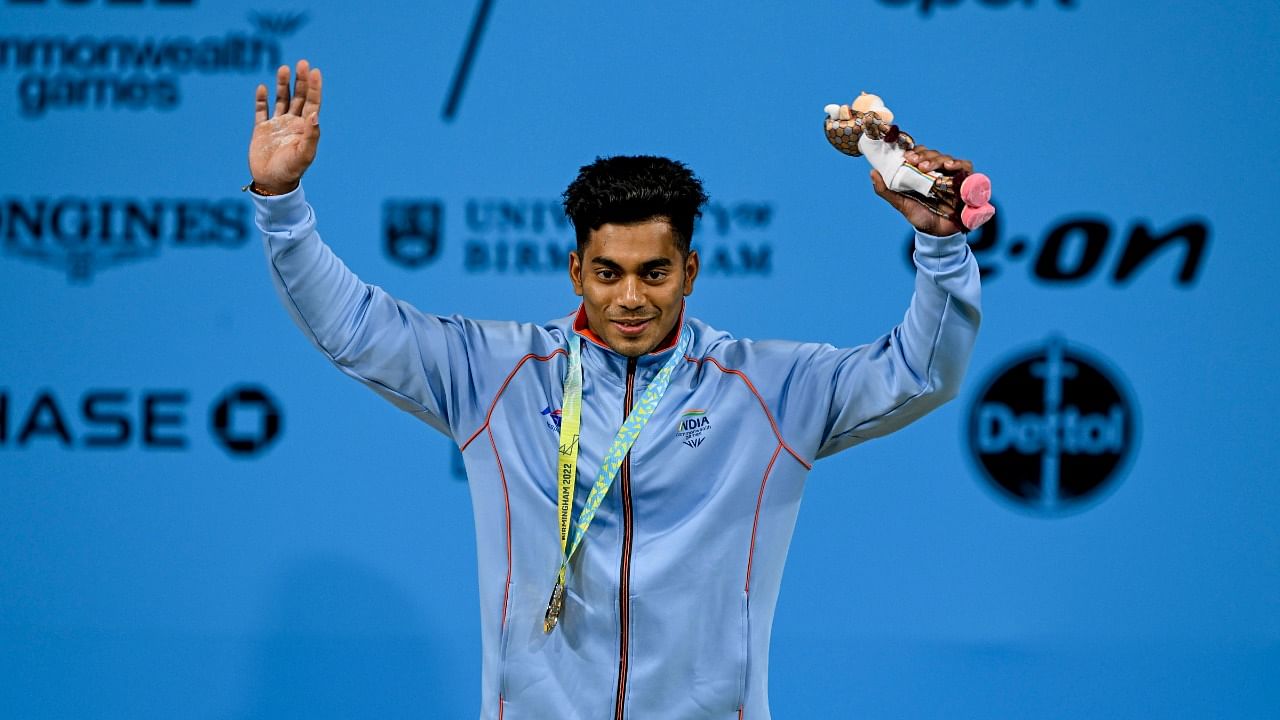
(936, 246)
(275, 213)
(940, 253)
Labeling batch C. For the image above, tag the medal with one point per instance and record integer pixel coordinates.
(568, 465)
(554, 607)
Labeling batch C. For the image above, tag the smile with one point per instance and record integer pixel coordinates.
(631, 328)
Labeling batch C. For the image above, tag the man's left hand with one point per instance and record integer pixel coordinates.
(921, 217)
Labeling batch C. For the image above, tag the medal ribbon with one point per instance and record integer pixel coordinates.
(570, 422)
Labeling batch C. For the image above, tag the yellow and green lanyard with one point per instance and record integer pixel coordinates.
(570, 423)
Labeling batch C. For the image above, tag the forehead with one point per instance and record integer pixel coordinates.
(637, 242)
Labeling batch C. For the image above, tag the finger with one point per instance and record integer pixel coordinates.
(914, 154)
(299, 88)
(311, 108)
(282, 90)
(934, 160)
(260, 105)
(950, 165)
(930, 160)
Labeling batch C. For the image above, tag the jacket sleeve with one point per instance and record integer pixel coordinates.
(874, 389)
(430, 366)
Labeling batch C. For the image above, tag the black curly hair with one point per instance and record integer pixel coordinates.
(634, 188)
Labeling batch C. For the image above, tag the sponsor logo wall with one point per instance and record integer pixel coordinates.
(194, 499)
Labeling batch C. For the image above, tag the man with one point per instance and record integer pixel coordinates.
(665, 609)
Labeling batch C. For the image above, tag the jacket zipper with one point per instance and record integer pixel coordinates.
(624, 570)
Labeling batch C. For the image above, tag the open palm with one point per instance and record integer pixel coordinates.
(284, 145)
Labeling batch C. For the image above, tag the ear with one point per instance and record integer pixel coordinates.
(691, 264)
(575, 272)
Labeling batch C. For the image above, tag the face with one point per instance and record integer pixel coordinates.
(633, 279)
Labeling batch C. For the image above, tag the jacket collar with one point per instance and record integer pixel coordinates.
(615, 364)
(581, 327)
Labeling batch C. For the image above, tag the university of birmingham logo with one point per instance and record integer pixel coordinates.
(411, 231)
(692, 427)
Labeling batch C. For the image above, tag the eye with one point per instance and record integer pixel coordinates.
(656, 275)
(606, 275)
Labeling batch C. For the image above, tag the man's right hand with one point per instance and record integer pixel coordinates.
(284, 145)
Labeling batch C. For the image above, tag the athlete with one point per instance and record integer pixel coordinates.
(635, 474)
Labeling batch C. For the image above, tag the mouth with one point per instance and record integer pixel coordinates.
(631, 328)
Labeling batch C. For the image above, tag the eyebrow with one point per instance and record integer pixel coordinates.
(654, 264)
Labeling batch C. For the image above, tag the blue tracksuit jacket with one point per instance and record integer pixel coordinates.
(671, 596)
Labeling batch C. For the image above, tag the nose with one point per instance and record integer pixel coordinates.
(632, 298)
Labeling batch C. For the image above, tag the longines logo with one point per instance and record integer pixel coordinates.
(1078, 249)
(523, 236)
(927, 6)
(81, 236)
(1052, 428)
(245, 420)
(83, 72)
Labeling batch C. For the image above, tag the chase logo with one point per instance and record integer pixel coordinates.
(692, 427)
(552, 417)
(246, 421)
(1052, 429)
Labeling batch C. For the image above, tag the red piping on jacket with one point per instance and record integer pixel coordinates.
(751, 554)
(506, 497)
(494, 404)
(763, 406)
(506, 504)
(765, 478)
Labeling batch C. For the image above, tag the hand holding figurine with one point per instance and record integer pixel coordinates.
(937, 193)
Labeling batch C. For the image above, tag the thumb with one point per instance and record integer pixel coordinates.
(891, 197)
(877, 182)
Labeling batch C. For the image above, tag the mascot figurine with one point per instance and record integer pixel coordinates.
(866, 129)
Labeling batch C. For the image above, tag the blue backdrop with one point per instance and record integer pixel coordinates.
(200, 518)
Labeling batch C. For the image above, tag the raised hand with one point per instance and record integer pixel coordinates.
(284, 145)
(915, 212)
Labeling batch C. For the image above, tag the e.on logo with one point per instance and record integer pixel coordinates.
(1052, 429)
(1079, 249)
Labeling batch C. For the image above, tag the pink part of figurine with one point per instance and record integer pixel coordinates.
(976, 190)
(974, 216)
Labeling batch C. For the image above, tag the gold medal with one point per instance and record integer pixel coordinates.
(554, 606)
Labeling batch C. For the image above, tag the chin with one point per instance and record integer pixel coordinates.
(632, 346)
